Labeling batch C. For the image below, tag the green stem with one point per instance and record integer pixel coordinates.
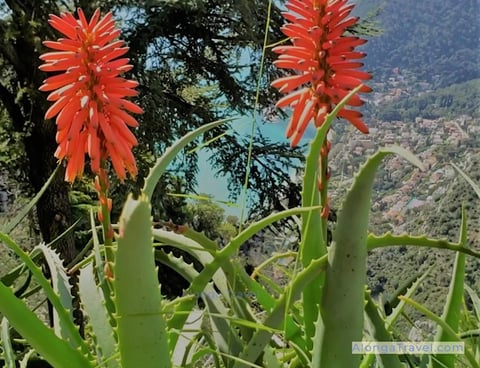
(324, 189)
(102, 187)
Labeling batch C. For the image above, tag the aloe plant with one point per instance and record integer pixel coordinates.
(311, 321)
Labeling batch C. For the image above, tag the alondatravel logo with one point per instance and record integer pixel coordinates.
(407, 347)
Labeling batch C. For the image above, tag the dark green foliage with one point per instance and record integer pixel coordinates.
(269, 173)
(451, 101)
(196, 61)
(436, 40)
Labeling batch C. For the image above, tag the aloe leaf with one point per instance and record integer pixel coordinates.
(211, 349)
(223, 256)
(63, 314)
(270, 359)
(105, 285)
(388, 240)
(454, 302)
(379, 333)
(275, 316)
(69, 230)
(26, 358)
(224, 334)
(450, 334)
(193, 341)
(94, 308)
(8, 353)
(162, 163)
(141, 328)
(223, 331)
(9, 278)
(313, 244)
(61, 286)
(475, 300)
(470, 334)
(342, 304)
(469, 180)
(58, 352)
(195, 249)
(392, 300)
(25, 210)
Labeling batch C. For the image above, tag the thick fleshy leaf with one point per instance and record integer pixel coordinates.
(141, 328)
(342, 305)
(454, 303)
(58, 352)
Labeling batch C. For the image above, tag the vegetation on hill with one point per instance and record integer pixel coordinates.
(435, 40)
(452, 101)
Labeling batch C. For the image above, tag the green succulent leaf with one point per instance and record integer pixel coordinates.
(469, 180)
(6, 343)
(450, 334)
(95, 310)
(61, 286)
(141, 328)
(63, 314)
(454, 303)
(378, 332)
(342, 303)
(475, 298)
(389, 240)
(314, 229)
(398, 309)
(58, 352)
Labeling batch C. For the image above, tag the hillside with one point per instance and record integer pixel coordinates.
(426, 74)
(451, 101)
(437, 41)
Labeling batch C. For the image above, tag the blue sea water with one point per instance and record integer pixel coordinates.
(216, 186)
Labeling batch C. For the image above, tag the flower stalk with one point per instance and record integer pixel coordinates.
(102, 185)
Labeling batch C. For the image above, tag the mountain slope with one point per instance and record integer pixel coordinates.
(438, 41)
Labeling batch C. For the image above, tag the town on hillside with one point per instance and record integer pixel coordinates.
(436, 142)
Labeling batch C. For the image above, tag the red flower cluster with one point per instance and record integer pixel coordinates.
(90, 106)
(325, 61)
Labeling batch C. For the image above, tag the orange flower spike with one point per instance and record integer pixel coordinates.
(89, 94)
(324, 62)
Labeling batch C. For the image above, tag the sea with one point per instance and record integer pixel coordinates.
(211, 183)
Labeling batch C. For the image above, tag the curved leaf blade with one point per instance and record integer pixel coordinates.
(141, 328)
(454, 303)
(61, 286)
(342, 306)
(95, 309)
(58, 352)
